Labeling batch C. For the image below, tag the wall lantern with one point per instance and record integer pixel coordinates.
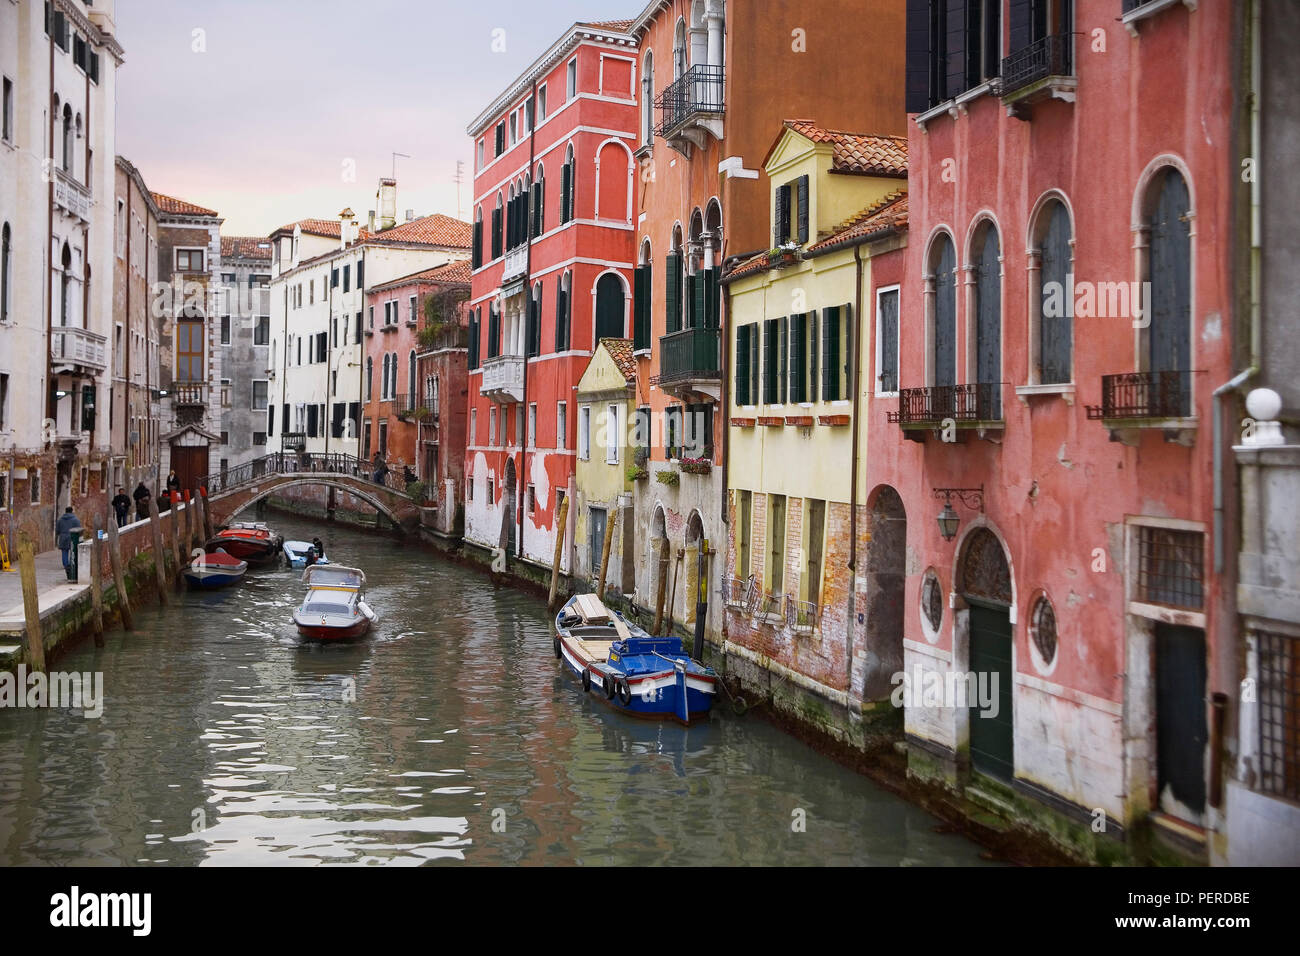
(948, 519)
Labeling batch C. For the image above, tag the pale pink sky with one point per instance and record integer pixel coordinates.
(258, 125)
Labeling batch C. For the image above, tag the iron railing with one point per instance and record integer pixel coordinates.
(800, 615)
(698, 90)
(1279, 714)
(962, 403)
(410, 409)
(296, 463)
(1050, 56)
(1163, 394)
(689, 355)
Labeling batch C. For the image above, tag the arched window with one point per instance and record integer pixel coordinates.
(1168, 343)
(648, 98)
(642, 294)
(65, 287)
(679, 49)
(611, 307)
(1054, 322)
(534, 329)
(476, 252)
(370, 376)
(67, 138)
(539, 201)
(563, 311)
(943, 319)
(383, 384)
(4, 273)
(410, 378)
(673, 274)
(568, 186)
(497, 226)
(987, 307)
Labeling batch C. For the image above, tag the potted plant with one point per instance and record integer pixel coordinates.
(636, 473)
(417, 490)
(668, 476)
(696, 466)
(421, 414)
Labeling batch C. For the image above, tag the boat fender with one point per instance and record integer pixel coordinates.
(555, 646)
(624, 692)
(608, 683)
(586, 680)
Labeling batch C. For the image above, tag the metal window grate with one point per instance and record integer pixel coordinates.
(1171, 567)
(1279, 714)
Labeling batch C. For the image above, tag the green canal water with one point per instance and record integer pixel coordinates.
(450, 735)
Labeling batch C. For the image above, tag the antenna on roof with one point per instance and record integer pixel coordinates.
(395, 155)
(458, 179)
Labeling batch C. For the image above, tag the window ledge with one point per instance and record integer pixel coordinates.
(1063, 390)
(954, 107)
(1150, 9)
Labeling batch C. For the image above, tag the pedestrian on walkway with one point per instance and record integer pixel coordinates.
(141, 497)
(67, 524)
(381, 472)
(121, 506)
(172, 495)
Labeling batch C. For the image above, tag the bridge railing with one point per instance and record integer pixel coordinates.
(317, 463)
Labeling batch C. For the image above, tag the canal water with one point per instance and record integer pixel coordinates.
(449, 735)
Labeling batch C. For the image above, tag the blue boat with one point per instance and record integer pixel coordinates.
(295, 552)
(215, 570)
(632, 671)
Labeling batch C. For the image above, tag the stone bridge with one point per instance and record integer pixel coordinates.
(242, 487)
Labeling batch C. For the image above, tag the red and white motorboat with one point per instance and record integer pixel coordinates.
(248, 541)
(334, 608)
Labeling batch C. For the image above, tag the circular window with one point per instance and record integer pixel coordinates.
(1042, 630)
(931, 605)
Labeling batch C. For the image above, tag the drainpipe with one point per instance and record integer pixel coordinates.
(853, 481)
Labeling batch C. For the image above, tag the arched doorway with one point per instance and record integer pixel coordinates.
(984, 581)
(609, 307)
(508, 508)
(1170, 332)
(886, 574)
(694, 557)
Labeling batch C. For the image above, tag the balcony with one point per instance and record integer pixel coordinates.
(692, 108)
(1136, 400)
(410, 409)
(1041, 71)
(72, 197)
(940, 407)
(688, 362)
(1136, 10)
(503, 379)
(189, 393)
(515, 265)
(74, 349)
(294, 441)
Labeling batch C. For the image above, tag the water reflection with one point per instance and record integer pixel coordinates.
(448, 736)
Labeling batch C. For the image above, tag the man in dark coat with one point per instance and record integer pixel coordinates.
(121, 506)
(63, 529)
(141, 497)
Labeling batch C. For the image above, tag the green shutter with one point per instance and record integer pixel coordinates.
(742, 359)
(713, 299)
(566, 184)
(781, 227)
(672, 293)
(699, 316)
(803, 209)
(848, 350)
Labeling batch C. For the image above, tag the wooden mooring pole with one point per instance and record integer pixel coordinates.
(31, 604)
(559, 552)
(663, 580)
(119, 578)
(178, 545)
(96, 581)
(604, 551)
(159, 555)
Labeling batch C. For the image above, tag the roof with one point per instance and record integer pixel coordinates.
(329, 228)
(170, 205)
(435, 230)
(245, 247)
(613, 31)
(881, 218)
(450, 273)
(863, 154)
(620, 350)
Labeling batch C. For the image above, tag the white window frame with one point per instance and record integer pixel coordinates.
(541, 105)
(898, 335)
(584, 432)
(190, 251)
(532, 425)
(571, 80)
(611, 435)
(253, 399)
(473, 426)
(561, 424)
(492, 424)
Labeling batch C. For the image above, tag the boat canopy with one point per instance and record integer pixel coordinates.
(333, 576)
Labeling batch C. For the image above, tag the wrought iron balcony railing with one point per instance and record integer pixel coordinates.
(414, 409)
(698, 90)
(690, 355)
(1148, 395)
(1050, 56)
(961, 403)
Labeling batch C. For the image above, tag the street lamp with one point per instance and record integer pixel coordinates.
(948, 518)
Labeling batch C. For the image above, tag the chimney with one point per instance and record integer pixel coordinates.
(410, 215)
(371, 221)
(387, 202)
(345, 223)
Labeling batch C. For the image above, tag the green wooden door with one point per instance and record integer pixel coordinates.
(991, 737)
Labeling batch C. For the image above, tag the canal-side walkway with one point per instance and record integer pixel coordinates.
(54, 591)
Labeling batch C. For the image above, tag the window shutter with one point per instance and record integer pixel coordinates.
(94, 67)
(559, 317)
(573, 190)
(781, 228)
(672, 293)
(803, 209)
(784, 332)
(830, 357)
(699, 312)
(812, 356)
(753, 363)
(284, 417)
(712, 299)
(534, 326)
(689, 318)
(311, 421)
(1020, 18)
(565, 186)
(742, 357)
(640, 312)
(955, 49)
(476, 249)
(847, 324)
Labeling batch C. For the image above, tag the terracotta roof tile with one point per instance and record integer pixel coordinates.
(861, 153)
(435, 230)
(613, 26)
(449, 272)
(888, 213)
(329, 228)
(620, 350)
(245, 247)
(179, 207)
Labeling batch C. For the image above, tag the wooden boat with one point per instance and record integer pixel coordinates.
(215, 570)
(634, 672)
(295, 552)
(251, 542)
(334, 608)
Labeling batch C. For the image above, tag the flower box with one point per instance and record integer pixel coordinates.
(668, 477)
(742, 422)
(833, 420)
(802, 421)
(771, 421)
(696, 466)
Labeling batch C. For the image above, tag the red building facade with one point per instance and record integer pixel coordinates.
(552, 273)
(1066, 317)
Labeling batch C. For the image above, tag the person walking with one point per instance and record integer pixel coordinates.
(67, 524)
(141, 496)
(121, 506)
(173, 490)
